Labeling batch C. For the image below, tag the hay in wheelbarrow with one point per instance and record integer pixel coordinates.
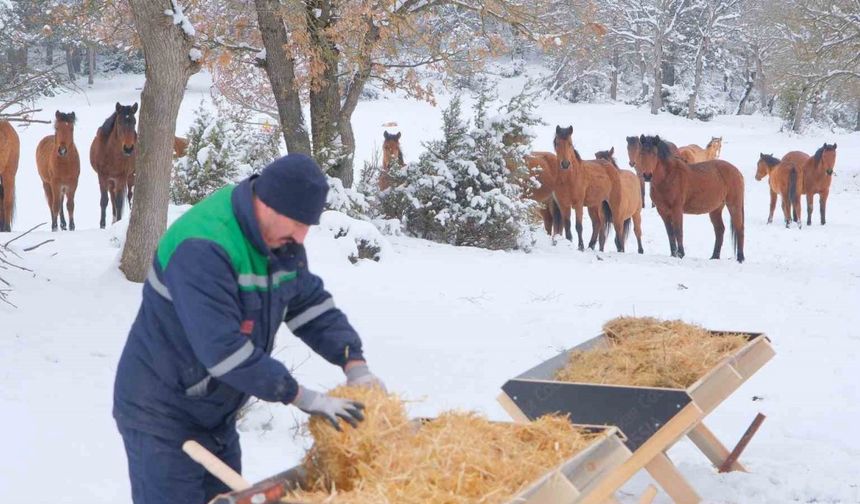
(649, 352)
(457, 457)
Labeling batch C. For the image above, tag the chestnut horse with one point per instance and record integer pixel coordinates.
(678, 188)
(817, 176)
(694, 154)
(629, 207)
(785, 180)
(390, 153)
(583, 184)
(59, 167)
(112, 156)
(10, 149)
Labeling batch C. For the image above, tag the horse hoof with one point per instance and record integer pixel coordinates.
(54, 229)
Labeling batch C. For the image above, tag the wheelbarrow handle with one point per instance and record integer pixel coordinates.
(215, 465)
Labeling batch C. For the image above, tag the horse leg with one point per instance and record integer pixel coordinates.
(545, 213)
(70, 206)
(786, 209)
(642, 189)
(678, 229)
(809, 198)
(596, 225)
(8, 202)
(565, 219)
(670, 232)
(719, 231)
(637, 229)
(103, 201)
(822, 200)
(49, 198)
(62, 193)
(578, 211)
(772, 206)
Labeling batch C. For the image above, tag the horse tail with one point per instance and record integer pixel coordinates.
(607, 217)
(792, 192)
(555, 209)
(735, 230)
(120, 199)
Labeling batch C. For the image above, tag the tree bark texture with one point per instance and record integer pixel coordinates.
(168, 67)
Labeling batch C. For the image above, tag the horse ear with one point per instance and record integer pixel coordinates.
(834, 146)
(386, 134)
(72, 115)
(612, 150)
(641, 138)
(569, 130)
(57, 114)
(558, 130)
(397, 136)
(118, 107)
(134, 108)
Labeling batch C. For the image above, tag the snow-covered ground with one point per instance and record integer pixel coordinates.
(447, 326)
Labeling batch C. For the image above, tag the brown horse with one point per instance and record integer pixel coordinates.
(785, 180)
(694, 154)
(112, 156)
(10, 149)
(817, 176)
(59, 167)
(633, 155)
(678, 188)
(583, 184)
(629, 207)
(390, 153)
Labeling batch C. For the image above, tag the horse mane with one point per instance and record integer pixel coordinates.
(69, 118)
(664, 152)
(576, 153)
(108, 125)
(632, 140)
(821, 150)
(770, 160)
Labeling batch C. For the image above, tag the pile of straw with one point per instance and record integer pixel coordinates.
(651, 353)
(455, 458)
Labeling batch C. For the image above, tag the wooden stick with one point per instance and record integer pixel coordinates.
(25, 233)
(215, 466)
(34, 247)
(742, 444)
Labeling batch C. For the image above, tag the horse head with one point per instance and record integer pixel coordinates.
(563, 143)
(826, 158)
(391, 149)
(124, 127)
(632, 150)
(766, 162)
(714, 147)
(608, 155)
(64, 132)
(653, 152)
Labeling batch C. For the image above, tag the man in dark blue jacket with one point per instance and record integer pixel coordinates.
(225, 276)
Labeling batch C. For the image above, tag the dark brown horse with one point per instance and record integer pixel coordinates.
(112, 156)
(59, 167)
(817, 176)
(627, 206)
(678, 188)
(10, 149)
(390, 153)
(583, 184)
(785, 180)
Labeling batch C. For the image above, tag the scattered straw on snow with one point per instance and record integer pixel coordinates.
(651, 353)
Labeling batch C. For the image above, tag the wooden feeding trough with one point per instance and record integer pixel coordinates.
(568, 483)
(651, 418)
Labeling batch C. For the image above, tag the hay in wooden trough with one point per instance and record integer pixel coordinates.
(456, 458)
(651, 353)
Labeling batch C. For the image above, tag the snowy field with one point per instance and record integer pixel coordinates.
(447, 326)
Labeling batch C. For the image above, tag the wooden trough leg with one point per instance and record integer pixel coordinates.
(742, 444)
(666, 474)
(708, 443)
(648, 495)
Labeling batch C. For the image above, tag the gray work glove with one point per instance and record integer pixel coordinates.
(359, 375)
(331, 408)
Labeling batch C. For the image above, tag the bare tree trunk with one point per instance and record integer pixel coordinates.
(656, 98)
(324, 95)
(697, 79)
(49, 52)
(747, 92)
(857, 123)
(642, 67)
(760, 81)
(816, 106)
(613, 76)
(91, 61)
(70, 65)
(797, 123)
(280, 68)
(168, 67)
